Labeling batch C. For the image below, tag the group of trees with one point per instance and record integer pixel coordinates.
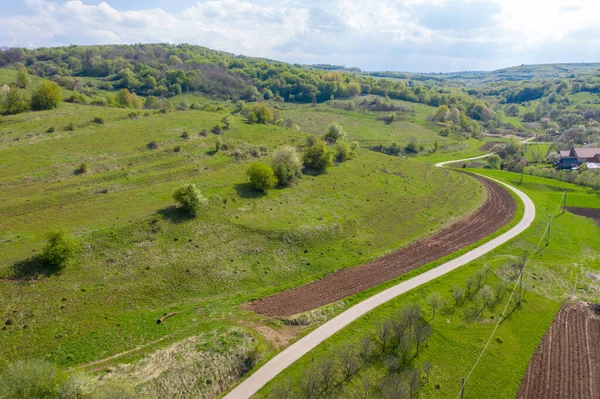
(396, 342)
(15, 99)
(458, 125)
(287, 166)
(509, 156)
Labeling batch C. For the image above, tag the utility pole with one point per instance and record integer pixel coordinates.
(523, 261)
(462, 389)
(549, 226)
(565, 200)
(521, 181)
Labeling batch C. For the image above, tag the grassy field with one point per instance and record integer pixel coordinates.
(563, 269)
(142, 257)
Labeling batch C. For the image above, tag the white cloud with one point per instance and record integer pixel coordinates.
(424, 35)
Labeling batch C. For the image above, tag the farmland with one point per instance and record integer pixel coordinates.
(567, 361)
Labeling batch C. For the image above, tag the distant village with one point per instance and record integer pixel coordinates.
(575, 157)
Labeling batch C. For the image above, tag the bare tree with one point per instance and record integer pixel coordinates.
(487, 295)
(327, 370)
(499, 291)
(283, 390)
(412, 313)
(392, 363)
(367, 385)
(435, 302)
(458, 293)
(383, 331)
(400, 324)
(422, 332)
(309, 384)
(366, 349)
(427, 369)
(405, 347)
(349, 362)
(413, 379)
(392, 387)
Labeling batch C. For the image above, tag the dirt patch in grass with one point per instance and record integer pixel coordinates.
(593, 213)
(488, 146)
(498, 210)
(279, 338)
(566, 365)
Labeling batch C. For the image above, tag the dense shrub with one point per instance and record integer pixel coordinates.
(261, 176)
(60, 248)
(334, 133)
(46, 96)
(50, 130)
(153, 145)
(15, 102)
(190, 198)
(77, 386)
(98, 120)
(317, 157)
(30, 379)
(185, 135)
(287, 165)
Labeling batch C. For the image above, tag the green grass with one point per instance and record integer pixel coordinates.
(555, 273)
(142, 258)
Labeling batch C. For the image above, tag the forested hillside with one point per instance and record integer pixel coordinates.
(168, 70)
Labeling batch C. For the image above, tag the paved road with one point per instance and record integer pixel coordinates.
(288, 356)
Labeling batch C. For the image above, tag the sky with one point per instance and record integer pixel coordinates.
(375, 35)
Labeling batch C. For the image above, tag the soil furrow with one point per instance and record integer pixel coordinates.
(498, 210)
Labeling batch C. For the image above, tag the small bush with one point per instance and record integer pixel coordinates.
(218, 144)
(185, 135)
(98, 120)
(287, 166)
(153, 145)
(190, 198)
(135, 115)
(83, 168)
(77, 386)
(70, 127)
(318, 157)
(30, 379)
(217, 129)
(202, 133)
(60, 248)
(261, 176)
(50, 130)
(177, 148)
(334, 133)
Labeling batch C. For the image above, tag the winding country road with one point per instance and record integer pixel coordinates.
(288, 356)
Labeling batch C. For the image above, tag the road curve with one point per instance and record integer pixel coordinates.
(292, 353)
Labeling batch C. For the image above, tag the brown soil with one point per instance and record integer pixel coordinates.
(566, 365)
(279, 338)
(488, 146)
(593, 213)
(498, 210)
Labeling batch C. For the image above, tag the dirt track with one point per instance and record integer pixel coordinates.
(499, 209)
(566, 365)
(593, 213)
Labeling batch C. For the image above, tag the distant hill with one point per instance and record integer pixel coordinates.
(515, 73)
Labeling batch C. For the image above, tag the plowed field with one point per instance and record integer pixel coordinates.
(593, 213)
(566, 365)
(498, 210)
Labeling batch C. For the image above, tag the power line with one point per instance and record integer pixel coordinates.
(517, 283)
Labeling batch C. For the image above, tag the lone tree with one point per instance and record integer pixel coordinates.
(23, 78)
(318, 157)
(47, 96)
(60, 248)
(494, 161)
(435, 302)
(190, 198)
(261, 176)
(334, 133)
(287, 165)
